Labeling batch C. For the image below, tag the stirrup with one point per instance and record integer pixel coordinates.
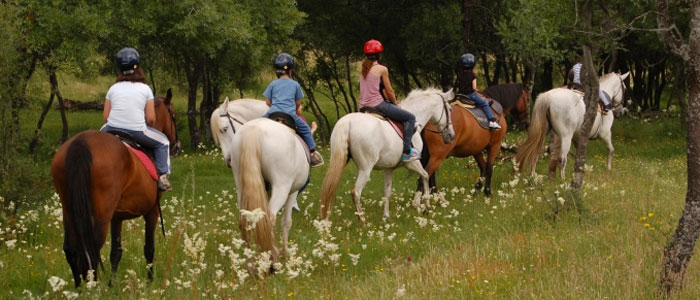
(316, 159)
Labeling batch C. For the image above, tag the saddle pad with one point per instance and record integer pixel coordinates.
(397, 126)
(479, 114)
(145, 161)
(600, 102)
(306, 147)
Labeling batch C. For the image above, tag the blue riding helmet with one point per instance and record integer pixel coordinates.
(128, 60)
(467, 61)
(283, 61)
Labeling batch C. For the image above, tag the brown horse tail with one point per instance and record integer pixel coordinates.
(84, 249)
(340, 145)
(253, 195)
(529, 150)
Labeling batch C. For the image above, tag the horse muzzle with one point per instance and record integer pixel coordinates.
(175, 149)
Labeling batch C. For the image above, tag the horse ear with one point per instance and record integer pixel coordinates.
(624, 76)
(168, 96)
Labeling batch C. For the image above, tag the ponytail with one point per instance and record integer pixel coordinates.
(366, 65)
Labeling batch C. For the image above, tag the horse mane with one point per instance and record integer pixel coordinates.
(215, 126)
(417, 93)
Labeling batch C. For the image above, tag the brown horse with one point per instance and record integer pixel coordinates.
(471, 139)
(102, 183)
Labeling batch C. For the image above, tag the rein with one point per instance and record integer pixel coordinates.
(444, 112)
(230, 120)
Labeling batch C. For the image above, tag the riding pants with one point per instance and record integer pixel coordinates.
(603, 97)
(397, 114)
(154, 139)
(483, 105)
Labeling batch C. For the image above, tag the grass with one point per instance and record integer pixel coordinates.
(519, 244)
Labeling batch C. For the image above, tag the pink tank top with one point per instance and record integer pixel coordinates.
(369, 91)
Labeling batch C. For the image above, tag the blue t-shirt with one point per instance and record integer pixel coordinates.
(283, 93)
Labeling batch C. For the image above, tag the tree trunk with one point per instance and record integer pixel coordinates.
(61, 104)
(40, 123)
(589, 78)
(678, 252)
(350, 80)
(193, 75)
(467, 6)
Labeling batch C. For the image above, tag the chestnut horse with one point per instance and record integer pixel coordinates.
(471, 139)
(101, 183)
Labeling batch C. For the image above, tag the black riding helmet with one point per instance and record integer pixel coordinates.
(128, 60)
(467, 61)
(284, 62)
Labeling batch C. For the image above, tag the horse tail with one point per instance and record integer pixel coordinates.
(529, 150)
(85, 250)
(253, 195)
(340, 145)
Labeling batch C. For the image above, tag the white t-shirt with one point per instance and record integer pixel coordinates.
(128, 105)
(577, 73)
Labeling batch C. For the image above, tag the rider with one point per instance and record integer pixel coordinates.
(376, 91)
(284, 95)
(127, 102)
(575, 81)
(466, 85)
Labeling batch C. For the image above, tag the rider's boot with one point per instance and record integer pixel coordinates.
(316, 159)
(164, 183)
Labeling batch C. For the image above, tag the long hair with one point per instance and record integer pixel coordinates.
(367, 64)
(137, 76)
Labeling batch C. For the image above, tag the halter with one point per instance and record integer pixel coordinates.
(623, 89)
(172, 123)
(444, 112)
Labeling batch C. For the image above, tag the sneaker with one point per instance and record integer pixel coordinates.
(164, 183)
(494, 125)
(607, 107)
(411, 156)
(316, 159)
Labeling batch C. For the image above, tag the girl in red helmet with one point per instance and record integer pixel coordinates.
(376, 91)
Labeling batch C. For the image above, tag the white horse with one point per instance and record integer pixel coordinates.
(564, 110)
(262, 151)
(241, 111)
(373, 144)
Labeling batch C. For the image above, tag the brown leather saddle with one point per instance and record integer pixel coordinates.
(469, 105)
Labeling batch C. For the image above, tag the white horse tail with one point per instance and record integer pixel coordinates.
(253, 195)
(529, 151)
(340, 146)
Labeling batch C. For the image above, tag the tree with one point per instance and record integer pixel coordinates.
(684, 43)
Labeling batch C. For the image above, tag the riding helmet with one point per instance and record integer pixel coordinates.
(373, 47)
(467, 61)
(283, 61)
(128, 60)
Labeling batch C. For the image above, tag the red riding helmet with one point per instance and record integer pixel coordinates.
(373, 47)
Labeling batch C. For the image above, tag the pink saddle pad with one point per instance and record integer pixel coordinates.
(145, 161)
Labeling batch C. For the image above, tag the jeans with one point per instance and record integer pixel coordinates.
(154, 139)
(397, 114)
(302, 129)
(603, 97)
(483, 105)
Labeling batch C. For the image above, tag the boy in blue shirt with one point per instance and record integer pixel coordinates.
(284, 95)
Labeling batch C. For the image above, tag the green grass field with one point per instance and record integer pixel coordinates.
(522, 243)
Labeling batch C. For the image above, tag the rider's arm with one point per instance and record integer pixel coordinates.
(107, 109)
(298, 109)
(388, 90)
(268, 101)
(474, 86)
(150, 113)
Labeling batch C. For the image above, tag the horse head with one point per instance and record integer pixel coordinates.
(165, 121)
(222, 130)
(430, 105)
(522, 109)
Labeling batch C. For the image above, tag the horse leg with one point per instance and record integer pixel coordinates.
(416, 167)
(563, 155)
(362, 179)
(607, 140)
(115, 254)
(492, 153)
(151, 219)
(71, 257)
(287, 222)
(479, 158)
(555, 150)
(388, 176)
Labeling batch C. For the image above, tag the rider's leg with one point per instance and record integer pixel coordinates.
(487, 110)
(606, 101)
(409, 122)
(305, 132)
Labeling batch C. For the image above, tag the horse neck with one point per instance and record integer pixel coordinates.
(609, 85)
(422, 109)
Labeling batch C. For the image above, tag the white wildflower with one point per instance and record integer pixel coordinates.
(400, 292)
(10, 244)
(355, 258)
(252, 217)
(561, 200)
(70, 295)
(56, 283)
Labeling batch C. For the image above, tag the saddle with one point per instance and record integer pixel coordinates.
(288, 121)
(144, 154)
(581, 94)
(469, 105)
(398, 126)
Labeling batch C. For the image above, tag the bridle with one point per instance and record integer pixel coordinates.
(623, 90)
(444, 112)
(172, 122)
(231, 119)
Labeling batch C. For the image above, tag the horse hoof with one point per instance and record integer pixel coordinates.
(487, 192)
(478, 186)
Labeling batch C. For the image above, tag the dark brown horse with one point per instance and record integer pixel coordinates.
(471, 139)
(101, 183)
(515, 101)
